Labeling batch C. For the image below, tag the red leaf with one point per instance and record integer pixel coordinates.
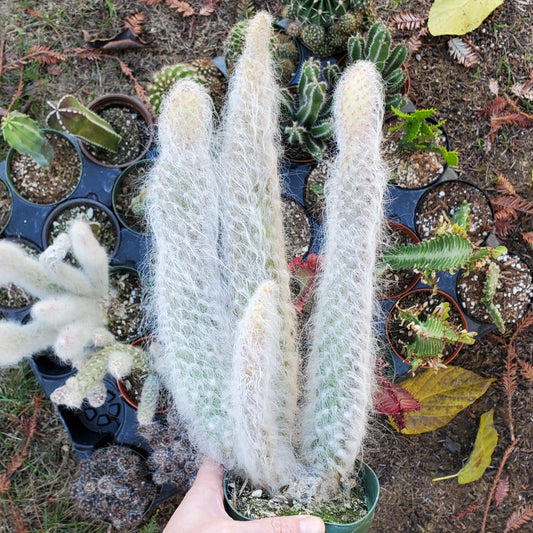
(501, 491)
(393, 400)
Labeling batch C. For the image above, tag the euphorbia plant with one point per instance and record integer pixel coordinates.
(220, 284)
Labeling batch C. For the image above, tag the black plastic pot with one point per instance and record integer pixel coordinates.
(370, 484)
(6, 206)
(138, 112)
(67, 194)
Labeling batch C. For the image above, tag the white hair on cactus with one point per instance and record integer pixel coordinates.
(97, 395)
(259, 447)
(187, 295)
(252, 229)
(340, 372)
(149, 399)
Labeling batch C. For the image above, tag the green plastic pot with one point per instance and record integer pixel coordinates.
(371, 490)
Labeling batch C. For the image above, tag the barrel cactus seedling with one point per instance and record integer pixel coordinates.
(220, 286)
(71, 116)
(324, 27)
(114, 485)
(200, 70)
(25, 136)
(376, 47)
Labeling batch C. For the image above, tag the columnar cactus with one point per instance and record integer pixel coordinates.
(376, 47)
(70, 315)
(220, 283)
(306, 112)
(340, 369)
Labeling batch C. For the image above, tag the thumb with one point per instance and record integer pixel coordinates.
(284, 524)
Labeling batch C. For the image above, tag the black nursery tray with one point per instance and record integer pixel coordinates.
(115, 421)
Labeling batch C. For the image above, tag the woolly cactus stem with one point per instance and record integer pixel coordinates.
(253, 238)
(340, 373)
(188, 300)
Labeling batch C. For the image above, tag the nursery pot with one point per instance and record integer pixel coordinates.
(128, 186)
(426, 293)
(409, 282)
(6, 206)
(370, 484)
(48, 185)
(138, 112)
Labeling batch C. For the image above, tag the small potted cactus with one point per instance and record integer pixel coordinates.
(43, 166)
(325, 27)
(306, 122)
(220, 286)
(131, 121)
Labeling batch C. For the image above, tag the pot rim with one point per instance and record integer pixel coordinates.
(123, 100)
(452, 302)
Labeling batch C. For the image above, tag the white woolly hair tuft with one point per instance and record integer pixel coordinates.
(340, 372)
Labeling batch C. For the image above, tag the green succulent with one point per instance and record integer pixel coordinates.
(71, 116)
(376, 47)
(450, 249)
(25, 136)
(322, 12)
(419, 133)
(200, 70)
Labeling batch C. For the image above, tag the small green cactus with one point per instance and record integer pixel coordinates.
(433, 332)
(489, 292)
(71, 116)
(419, 133)
(24, 135)
(377, 48)
(450, 249)
(323, 12)
(200, 70)
(306, 112)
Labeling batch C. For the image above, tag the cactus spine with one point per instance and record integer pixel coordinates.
(340, 369)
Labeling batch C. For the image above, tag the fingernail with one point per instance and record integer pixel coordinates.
(311, 524)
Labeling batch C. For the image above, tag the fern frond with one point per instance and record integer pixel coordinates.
(504, 222)
(44, 55)
(182, 7)
(135, 23)
(501, 491)
(464, 52)
(520, 517)
(509, 377)
(408, 21)
(526, 370)
(515, 203)
(523, 90)
(528, 237)
(504, 186)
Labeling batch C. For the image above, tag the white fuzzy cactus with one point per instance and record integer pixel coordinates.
(340, 371)
(220, 284)
(70, 315)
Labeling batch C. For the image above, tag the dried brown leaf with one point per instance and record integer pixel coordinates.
(413, 43)
(509, 376)
(504, 222)
(182, 7)
(135, 23)
(501, 491)
(523, 90)
(33, 13)
(44, 55)
(464, 52)
(528, 237)
(513, 202)
(208, 8)
(504, 186)
(526, 370)
(495, 107)
(408, 21)
(150, 2)
(520, 517)
(466, 511)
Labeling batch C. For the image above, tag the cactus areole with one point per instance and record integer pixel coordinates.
(219, 282)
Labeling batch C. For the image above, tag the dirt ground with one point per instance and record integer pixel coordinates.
(410, 501)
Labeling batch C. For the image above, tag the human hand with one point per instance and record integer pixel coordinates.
(202, 511)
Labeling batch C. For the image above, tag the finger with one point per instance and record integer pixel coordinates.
(284, 524)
